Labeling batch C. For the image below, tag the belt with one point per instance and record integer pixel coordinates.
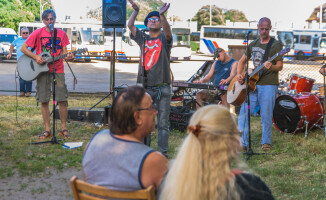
(158, 88)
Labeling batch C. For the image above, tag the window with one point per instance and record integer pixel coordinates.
(305, 39)
(296, 39)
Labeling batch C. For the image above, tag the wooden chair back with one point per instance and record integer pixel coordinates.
(86, 191)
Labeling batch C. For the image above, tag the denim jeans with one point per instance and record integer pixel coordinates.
(264, 96)
(25, 86)
(162, 98)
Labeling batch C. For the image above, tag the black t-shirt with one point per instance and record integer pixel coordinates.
(252, 187)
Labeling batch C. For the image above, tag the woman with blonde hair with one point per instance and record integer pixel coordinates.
(202, 168)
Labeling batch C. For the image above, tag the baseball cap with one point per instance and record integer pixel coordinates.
(151, 14)
(217, 52)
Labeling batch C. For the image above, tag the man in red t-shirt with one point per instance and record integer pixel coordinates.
(40, 40)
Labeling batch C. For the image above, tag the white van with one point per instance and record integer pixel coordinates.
(7, 36)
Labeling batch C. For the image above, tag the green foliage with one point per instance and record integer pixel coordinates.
(145, 6)
(219, 16)
(14, 11)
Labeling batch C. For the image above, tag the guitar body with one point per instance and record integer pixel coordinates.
(236, 94)
(29, 69)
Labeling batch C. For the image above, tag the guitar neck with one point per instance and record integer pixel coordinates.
(262, 66)
(62, 56)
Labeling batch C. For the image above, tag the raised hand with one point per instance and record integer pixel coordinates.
(164, 8)
(134, 5)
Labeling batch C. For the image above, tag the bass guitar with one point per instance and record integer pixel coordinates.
(29, 69)
(236, 93)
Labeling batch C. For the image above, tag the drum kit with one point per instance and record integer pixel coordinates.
(299, 108)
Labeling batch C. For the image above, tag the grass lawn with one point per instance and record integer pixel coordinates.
(296, 170)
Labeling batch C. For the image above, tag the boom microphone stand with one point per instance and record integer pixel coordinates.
(54, 139)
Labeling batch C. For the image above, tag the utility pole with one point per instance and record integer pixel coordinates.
(41, 9)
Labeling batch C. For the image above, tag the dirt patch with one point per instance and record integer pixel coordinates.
(51, 185)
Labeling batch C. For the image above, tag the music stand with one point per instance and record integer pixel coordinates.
(53, 139)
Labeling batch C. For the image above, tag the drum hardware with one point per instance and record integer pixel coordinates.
(306, 132)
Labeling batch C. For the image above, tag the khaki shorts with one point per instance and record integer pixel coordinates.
(44, 88)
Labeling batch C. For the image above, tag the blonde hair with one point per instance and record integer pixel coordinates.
(202, 169)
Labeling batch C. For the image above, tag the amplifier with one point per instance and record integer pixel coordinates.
(97, 115)
(179, 117)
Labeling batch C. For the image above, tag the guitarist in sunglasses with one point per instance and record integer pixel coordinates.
(40, 40)
(266, 86)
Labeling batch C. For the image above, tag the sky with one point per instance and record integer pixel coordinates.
(279, 11)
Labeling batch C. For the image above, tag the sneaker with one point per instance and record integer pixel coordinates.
(28, 94)
(22, 94)
(244, 149)
(266, 146)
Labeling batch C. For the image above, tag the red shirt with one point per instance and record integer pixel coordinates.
(40, 39)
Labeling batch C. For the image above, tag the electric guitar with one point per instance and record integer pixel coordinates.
(29, 69)
(236, 93)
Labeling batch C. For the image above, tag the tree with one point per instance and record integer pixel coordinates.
(14, 11)
(219, 16)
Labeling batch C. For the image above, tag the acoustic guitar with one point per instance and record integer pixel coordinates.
(236, 93)
(29, 69)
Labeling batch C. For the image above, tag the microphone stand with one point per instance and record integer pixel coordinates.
(143, 70)
(324, 100)
(53, 139)
(249, 152)
(147, 139)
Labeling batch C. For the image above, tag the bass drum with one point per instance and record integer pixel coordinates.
(292, 112)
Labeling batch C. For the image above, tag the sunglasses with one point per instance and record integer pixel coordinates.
(24, 32)
(153, 19)
(266, 29)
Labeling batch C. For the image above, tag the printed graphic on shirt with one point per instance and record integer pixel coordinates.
(152, 52)
(46, 44)
(257, 56)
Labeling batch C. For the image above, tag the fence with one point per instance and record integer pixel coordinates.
(306, 69)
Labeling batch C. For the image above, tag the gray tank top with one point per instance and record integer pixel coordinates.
(114, 163)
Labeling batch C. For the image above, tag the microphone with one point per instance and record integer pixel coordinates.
(51, 27)
(248, 33)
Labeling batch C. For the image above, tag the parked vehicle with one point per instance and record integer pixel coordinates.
(7, 36)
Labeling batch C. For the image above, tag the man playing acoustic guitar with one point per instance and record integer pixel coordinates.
(40, 39)
(267, 85)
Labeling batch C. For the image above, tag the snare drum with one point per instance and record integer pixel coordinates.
(292, 112)
(300, 84)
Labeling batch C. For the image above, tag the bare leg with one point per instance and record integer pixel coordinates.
(63, 114)
(46, 115)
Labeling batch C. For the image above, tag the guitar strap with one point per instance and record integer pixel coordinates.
(267, 50)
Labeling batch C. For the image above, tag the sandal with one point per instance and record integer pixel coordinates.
(64, 133)
(44, 135)
(266, 147)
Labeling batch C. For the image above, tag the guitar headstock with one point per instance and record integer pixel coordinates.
(284, 51)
